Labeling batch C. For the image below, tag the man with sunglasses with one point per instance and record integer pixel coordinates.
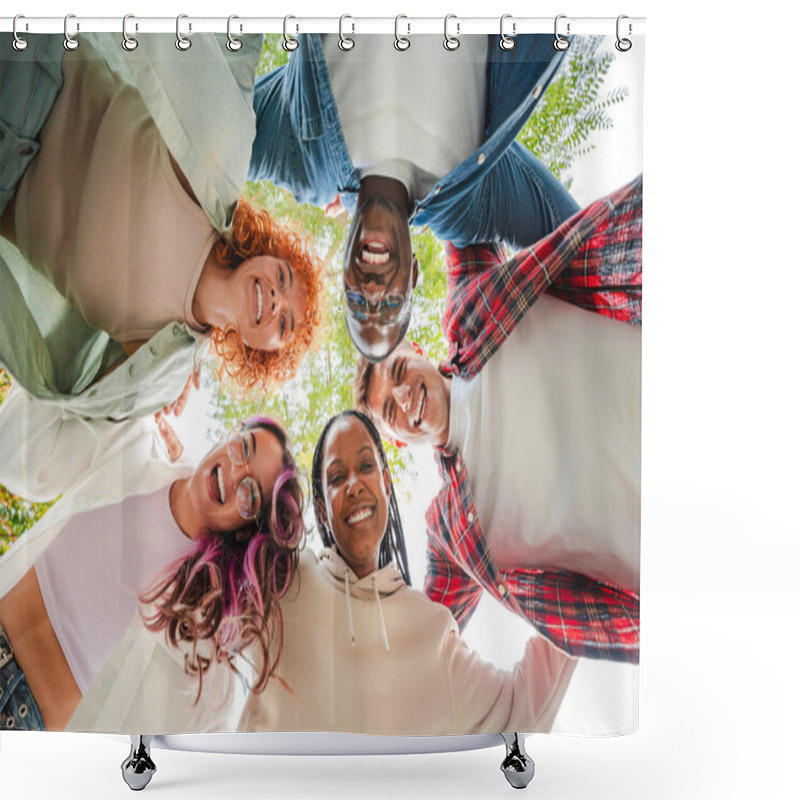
(535, 421)
(422, 137)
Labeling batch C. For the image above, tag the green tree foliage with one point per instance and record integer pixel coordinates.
(572, 108)
(322, 386)
(16, 513)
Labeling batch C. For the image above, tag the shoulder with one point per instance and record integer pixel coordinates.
(425, 613)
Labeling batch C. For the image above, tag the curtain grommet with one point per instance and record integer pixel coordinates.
(290, 43)
(451, 42)
(622, 44)
(19, 43)
(560, 42)
(346, 43)
(70, 41)
(507, 42)
(401, 43)
(182, 42)
(233, 44)
(129, 43)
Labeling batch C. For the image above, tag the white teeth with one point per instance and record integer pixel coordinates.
(221, 484)
(260, 296)
(420, 407)
(359, 516)
(376, 259)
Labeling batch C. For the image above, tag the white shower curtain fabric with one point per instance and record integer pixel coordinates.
(320, 385)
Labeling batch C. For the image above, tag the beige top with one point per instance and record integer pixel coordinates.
(123, 241)
(374, 656)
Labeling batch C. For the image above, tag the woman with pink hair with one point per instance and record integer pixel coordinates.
(205, 554)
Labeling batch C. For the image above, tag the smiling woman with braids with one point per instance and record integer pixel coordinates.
(209, 552)
(393, 661)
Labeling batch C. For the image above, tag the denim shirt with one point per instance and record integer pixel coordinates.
(502, 192)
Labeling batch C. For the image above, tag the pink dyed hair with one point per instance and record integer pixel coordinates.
(226, 590)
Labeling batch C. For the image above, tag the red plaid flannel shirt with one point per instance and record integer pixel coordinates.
(592, 260)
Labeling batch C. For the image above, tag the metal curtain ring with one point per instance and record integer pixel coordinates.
(181, 42)
(233, 44)
(623, 45)
(507, 42)
(128, 42)
(560, 43)
(290, 44)
(345, 42)
(19, 43)
(451, 42)
(70, 42)
(401, 42)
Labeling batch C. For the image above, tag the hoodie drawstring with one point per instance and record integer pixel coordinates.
(349, 607)
(380, 610)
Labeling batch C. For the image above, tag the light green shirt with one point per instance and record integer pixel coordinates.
(201, 102)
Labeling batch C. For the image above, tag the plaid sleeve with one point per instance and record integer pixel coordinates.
(606, 275)
(580, 616)
(489, 299)
(448, 584)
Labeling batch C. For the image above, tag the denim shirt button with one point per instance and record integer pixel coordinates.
(481, 158)
(536, 92)
(437, 190)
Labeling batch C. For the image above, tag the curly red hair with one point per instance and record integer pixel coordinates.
(255, 233)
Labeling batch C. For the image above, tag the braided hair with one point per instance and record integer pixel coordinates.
(393, 544)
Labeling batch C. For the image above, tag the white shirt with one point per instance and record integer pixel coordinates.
(550, 432)
(413, 115)
(92, 574)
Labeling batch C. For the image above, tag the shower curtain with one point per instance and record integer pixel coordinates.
(320, 383)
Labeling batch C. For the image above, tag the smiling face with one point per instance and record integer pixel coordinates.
(380, 272)
(356, 489)
(269, 301)
(211, 504)
(409, 399)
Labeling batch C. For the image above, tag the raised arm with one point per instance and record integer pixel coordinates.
(524, 699)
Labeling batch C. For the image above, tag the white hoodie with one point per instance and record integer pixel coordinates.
(372, 655)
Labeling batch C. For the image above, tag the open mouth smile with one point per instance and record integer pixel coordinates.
(422, 406)
(216, 485)
(374, 254)
(360, 515)
(258, 302)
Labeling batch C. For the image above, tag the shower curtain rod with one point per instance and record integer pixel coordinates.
(409, 25)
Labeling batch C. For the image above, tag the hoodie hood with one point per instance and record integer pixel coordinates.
(388, 579)
(381, 583)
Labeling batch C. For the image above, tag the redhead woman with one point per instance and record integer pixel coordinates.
(207, 552)
(365, 653)
(126, 248)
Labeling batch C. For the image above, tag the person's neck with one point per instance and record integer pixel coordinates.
(181, 508)
(209, 304)
(441, 440)
(389, 188)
